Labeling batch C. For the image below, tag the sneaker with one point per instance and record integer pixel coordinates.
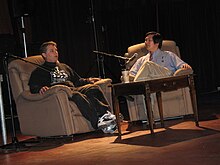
(107, 123)
(111, 128)
(106, 119)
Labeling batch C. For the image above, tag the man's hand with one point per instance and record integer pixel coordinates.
(43, 90)
(93, 79)
(186, 66)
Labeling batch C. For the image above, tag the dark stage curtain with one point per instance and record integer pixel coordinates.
(68, 23)
(118, 24)
(121, 23)
(194, 26)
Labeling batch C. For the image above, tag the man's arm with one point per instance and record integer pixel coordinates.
(39, 81)
(38, 89)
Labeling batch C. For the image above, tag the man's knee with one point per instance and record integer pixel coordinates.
(94, 89)
(77, 96)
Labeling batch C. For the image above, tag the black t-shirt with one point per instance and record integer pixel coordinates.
(50, 74)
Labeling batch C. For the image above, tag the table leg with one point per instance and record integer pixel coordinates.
(117, 112)
(160, 107)
(193, 98)
(149, 109)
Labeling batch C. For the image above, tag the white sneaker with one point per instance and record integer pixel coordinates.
(106, 119)
(107, 123)
(110, 128)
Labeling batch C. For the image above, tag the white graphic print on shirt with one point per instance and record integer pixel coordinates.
(58, 76)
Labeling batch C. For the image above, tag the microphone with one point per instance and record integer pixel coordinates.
(131, 58)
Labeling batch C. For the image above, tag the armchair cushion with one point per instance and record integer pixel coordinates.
(54, 89)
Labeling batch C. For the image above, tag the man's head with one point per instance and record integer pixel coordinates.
(49, 51)
(153, 41)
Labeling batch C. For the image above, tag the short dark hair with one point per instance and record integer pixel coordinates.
(157, 37)
(43, 47)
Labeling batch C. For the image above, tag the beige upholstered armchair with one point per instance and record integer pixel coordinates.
(51, 114)
(175, 103)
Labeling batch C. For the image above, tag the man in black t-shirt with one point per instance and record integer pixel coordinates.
(88, 97)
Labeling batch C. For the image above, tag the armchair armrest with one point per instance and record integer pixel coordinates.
(50, 114)
(183, 72)
(58, 88)
(105, 85)
(103, 81)
(54, 89)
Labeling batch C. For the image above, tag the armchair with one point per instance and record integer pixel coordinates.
(51, 114)
(175, 103)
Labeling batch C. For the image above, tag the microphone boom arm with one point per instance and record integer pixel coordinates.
(40, 66)
(22, 59)
(112, 55)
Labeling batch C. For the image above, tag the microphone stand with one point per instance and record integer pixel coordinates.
(23, 35)
(100, 59)
(14, 145)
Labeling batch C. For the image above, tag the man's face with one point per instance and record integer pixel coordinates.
(51, 55)
(149, 43)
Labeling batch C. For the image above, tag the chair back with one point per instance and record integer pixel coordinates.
(20, 71)
(140, 49)
(169, 45)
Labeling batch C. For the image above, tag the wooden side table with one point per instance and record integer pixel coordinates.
(154, 86)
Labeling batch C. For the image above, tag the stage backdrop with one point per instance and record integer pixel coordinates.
(111, 26)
